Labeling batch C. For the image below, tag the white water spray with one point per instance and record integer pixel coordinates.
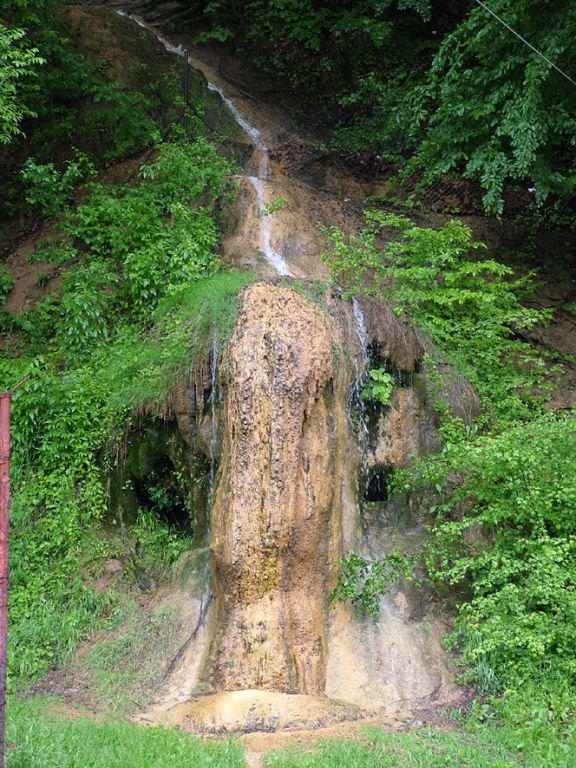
(361, 331)
(356, 396)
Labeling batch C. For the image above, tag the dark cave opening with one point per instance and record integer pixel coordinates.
(377, 486)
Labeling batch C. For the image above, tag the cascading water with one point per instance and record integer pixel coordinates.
(275, 259)
(356, 399)
(361, 331)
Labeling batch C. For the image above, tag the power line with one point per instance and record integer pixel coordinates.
(526, 42)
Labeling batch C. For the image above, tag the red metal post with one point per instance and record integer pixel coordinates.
(5, 398)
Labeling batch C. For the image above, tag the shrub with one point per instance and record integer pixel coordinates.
(51, 189)
(470, 307)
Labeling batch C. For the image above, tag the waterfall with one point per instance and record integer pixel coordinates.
(274, 258)
(361, 331)
(293, 433)
(356, 395)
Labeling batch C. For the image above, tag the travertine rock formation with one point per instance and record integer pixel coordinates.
(273, 517)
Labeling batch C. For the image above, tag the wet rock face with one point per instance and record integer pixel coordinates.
(272, 520)
(402, 432)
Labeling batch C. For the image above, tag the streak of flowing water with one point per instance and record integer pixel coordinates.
(362, 335)
(273, 257)
(247, 127)
(212, 441)
(361, 330)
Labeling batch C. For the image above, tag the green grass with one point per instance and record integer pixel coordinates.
(38, 738)
(422, 749)
(42, 734)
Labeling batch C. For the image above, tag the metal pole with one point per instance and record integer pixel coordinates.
(186, 91)
(5, 399)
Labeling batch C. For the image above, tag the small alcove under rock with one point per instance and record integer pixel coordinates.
(156, 471)
(376, 486)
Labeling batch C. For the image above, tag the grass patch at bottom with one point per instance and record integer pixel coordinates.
(423, 749)
(39, 738)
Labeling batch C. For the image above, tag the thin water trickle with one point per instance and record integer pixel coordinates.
(356, 395)
(361, 331)
(274, 258)
(246, 126)
(212, 441)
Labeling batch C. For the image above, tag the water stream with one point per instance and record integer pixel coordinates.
(275, 259)
(212, 441)
(356, 399)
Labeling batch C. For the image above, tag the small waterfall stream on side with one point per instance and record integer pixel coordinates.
(361, 369)
(213, 437)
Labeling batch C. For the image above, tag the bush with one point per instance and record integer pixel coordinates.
(502, 523)
(500, 496)
(16, 62)
(139, 301)
(470, 307)
(51, 189)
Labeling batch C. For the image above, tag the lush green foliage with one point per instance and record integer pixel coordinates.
(503, 523)
(140, 297)
(16, 62)
(40, 737)
(378, 387)
(362, 582)
(443, 82)
(495, 110)
(499, 498)
(470, 307)
(64, 419)
(503, 531)
(75, 114)
(52, 189)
